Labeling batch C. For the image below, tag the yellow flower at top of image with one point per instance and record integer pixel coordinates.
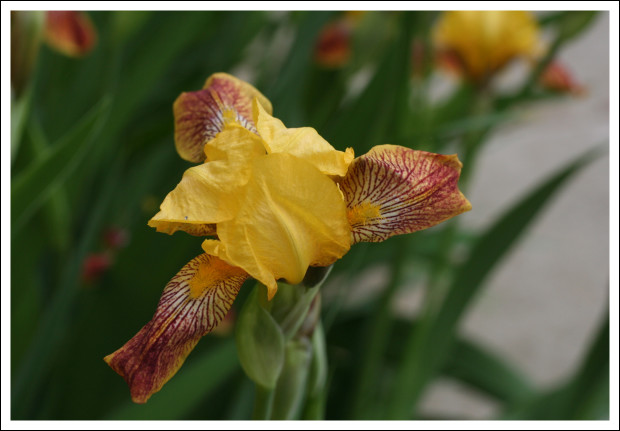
(271, 201)
(478, 44)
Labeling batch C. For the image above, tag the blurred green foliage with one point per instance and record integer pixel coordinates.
(96, 153)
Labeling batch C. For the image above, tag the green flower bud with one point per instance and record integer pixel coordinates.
(260, 341)
(291, 387)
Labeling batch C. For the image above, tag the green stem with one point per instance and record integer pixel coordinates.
(263, 403)
(378, 328)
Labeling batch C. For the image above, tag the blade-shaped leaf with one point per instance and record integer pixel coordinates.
(33, 186)
(430, 344)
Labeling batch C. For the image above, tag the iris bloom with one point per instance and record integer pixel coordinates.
(478, 44)
(272, 201)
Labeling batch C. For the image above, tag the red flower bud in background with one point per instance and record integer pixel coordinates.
(94, 266)
(333, 48)
(556, 77)
(70, 32)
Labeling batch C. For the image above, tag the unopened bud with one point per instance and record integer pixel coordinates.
(291, 387)
(260, 341)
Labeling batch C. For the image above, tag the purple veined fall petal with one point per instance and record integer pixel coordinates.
(394, 190)
(200, 115)
(194, 302)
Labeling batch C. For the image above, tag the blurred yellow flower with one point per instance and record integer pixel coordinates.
(480, 43)
(279, 200)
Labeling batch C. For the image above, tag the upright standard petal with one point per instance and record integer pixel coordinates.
(293, 217)
(208, 193)
(393, 190)
(303, 142)
(193, 303)
(200, 115)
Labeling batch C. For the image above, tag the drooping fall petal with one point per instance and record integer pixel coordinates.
(192, 304)
(208, 193)
(393, 190)
(303, 142)
(200, 115)
(293, 217)
(70, 32)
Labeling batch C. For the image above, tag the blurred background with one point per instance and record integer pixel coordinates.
(501, 313)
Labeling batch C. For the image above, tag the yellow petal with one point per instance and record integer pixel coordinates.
(394, 190)
(192, 304)
(208, 193)
(293, 217)
(200, 115)
(303, 142)
(482, 42)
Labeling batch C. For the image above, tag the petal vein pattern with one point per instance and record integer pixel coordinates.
(194, 302)
(201, 115)
(394, 190)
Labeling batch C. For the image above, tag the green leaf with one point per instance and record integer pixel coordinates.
(585, 396)
(287, 91)
(31, 188)
(430, 344)
(198, 378)
(571, 24)
(56, 320)
(483, 370)
(372, 117)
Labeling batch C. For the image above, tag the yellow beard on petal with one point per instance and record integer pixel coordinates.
(211, 275)
(361, 214)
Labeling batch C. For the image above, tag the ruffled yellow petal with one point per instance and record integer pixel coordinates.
(303, 142)
(293, 217)
(482, 42)
(192, 304)
(208, 193)
(393, 190)
(200, 115)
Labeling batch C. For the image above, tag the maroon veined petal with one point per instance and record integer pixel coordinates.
(393, 190)
(194, 302)
(200, 115)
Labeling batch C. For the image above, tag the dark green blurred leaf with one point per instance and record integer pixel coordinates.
(431, 343)
(193, 383)
(572, 23)
(470, 363)
(371, 118)
(53, 325)
(31, 188)
(485, 372)
(286, 92)
(20, 109)
(585, 396)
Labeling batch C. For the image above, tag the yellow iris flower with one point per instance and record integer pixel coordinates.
(478, 44)
(273, 202)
